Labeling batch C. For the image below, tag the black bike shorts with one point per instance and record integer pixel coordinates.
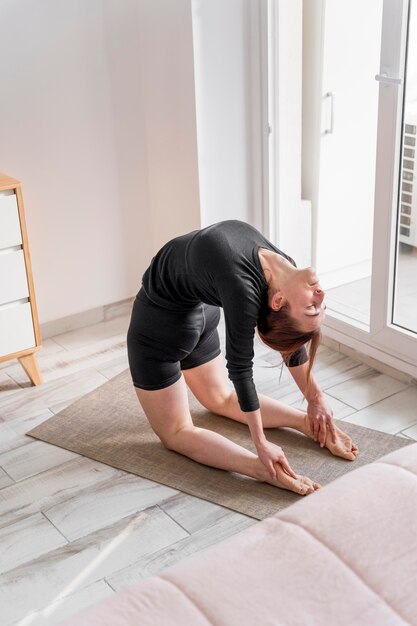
(161, 342)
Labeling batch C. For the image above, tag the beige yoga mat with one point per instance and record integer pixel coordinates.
(108, 425)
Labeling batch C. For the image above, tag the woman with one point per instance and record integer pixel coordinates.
(173, 342)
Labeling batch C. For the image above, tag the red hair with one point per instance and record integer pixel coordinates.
(280, 331)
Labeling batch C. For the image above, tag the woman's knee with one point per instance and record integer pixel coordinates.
(219, 402)
(167, 412)
(179, 439)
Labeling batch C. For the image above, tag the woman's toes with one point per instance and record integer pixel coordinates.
(354, 450)
(308, 484)
(301, 485)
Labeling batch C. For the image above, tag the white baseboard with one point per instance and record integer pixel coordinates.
(377, 359)
(86, 318)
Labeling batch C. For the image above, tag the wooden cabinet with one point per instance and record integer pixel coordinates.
(19, 326)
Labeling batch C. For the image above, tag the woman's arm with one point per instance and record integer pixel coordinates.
(241, 304)
(319, 412)
(268, 452)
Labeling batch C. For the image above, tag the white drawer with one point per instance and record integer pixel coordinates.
(13, 280)
(10, 234)
(16, 329)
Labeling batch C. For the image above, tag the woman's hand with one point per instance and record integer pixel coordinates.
(270, 454)
(320, 417)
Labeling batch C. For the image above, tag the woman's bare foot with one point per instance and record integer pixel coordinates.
(301, 485)
(344, 446)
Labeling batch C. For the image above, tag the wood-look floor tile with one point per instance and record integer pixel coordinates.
(33, 458)
(105, 504)
(8, 437)
(112, 543)
(87, 335)
(290, 394)
(328, 375)
(365, 390)
(274, 381)
(5, 480)
(66, 362)
(51, 487)
(343, 369)
(150, 565)
(15, 370)
(102, 554)
(391, 415)
(35, 399)
(194, 514)
(13, 433)
(8, 386)
(113, 367)
(62, 609)
(340, 409)
(324, 358)
(50, 346)
(26, 540)
(411, 432)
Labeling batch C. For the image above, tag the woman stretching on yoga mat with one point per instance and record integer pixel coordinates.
(173, 342)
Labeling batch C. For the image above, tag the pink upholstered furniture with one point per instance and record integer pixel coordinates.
(346, 555)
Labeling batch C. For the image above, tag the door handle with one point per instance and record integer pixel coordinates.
(329, 131)
(387, 80)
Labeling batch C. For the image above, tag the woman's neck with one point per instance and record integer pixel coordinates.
(276, 268)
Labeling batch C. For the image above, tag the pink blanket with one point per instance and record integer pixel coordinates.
(346, 555)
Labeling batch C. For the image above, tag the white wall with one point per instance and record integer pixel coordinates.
(57, 138)
(226, 48)
(168, 91)
(150, 60)
(97, 119)
(123, 59)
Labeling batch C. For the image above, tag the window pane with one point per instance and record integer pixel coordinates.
(405, 290)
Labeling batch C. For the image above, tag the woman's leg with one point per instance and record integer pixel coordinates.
(169, 416)
(210, 385)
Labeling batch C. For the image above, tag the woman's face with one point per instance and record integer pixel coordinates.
(305, 299)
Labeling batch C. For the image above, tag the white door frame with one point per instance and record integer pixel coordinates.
(256, 24)
(386, 342)
(289, 217)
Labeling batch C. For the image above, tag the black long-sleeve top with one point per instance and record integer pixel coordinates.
(219, 265)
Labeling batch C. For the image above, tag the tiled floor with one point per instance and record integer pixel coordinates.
(72, 530)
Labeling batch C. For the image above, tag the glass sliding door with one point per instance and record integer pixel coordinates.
(351, 44)
(394, 296)
(359, 169)
(374, 311)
